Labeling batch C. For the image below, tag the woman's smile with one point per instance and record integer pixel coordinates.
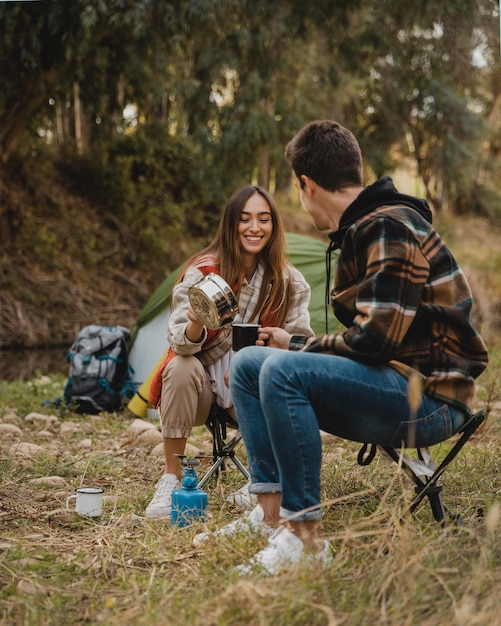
(256, 225)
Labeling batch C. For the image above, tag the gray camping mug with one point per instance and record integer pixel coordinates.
(213, 301)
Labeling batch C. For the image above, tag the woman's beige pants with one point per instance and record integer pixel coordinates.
(187, 397)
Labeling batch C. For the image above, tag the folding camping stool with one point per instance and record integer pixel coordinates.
(423, 471)
(218, 422)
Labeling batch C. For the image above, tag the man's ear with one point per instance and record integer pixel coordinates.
(309, 184)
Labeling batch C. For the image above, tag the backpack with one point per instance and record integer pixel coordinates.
(99, 376)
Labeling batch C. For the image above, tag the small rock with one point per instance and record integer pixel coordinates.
(158, 450)
(26, 449)
(41, 420)
(65, 517)
(191, 450)
(150, 436)
(138, 426)
(10, 430)
(68, 428)
(26, 587)
(130, 520)
(46, 434)
(49, 481)
(85, 444)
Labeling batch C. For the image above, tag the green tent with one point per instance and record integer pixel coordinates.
(149, 342)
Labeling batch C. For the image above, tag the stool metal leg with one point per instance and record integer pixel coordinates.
(430, 487)
(217, 424)
(226, 452)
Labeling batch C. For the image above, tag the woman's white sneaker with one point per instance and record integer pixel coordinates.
(242, 498)
(161, 503)
(250, 522)
(284, 550)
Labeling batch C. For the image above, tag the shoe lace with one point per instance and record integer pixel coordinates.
(164, 489)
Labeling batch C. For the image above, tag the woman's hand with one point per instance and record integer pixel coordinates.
(274, 337)
(195, 329)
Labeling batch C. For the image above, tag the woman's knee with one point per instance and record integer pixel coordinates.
(183, 370)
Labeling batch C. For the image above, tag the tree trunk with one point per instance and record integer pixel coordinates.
(264, 167)
(78, 118)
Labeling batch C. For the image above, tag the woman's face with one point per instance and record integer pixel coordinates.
(255, 226)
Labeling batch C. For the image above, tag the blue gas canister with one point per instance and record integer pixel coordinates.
(188, 502)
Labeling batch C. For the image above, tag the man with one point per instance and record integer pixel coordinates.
(405, 304)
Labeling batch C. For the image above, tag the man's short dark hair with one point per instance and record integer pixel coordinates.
(328, 153)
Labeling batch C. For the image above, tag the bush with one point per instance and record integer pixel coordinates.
(151, 181)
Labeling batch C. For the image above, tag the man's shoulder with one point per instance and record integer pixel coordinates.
(403, 214)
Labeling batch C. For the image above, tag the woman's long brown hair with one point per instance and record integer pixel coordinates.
(225, 249)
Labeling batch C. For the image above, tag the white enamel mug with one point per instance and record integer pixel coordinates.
(88, 501)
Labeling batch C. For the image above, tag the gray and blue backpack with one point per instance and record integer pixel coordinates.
(100, 376)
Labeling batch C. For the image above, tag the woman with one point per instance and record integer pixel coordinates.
(248, 251)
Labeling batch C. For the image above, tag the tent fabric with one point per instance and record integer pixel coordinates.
(149, 333)
(157, 302)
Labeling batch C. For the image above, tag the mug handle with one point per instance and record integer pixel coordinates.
(68, 501)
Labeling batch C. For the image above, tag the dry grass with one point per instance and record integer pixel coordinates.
(58, 568)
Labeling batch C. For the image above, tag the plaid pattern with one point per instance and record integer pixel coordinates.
(298, 320)
(406, 303)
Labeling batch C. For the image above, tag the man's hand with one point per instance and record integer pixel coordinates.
(274, 337)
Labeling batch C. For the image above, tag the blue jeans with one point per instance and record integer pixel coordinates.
(283, 398)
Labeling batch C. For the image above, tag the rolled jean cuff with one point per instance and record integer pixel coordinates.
(265, 488)
(307, 515)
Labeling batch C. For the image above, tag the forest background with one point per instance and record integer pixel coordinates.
(126, 124)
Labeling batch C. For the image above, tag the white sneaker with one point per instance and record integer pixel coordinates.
(252, 521)
(284, 550)
(161, 504)
(242, 498)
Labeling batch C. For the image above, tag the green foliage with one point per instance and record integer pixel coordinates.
(150, 180)
(239, 78)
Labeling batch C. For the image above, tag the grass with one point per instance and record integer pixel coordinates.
(58, 568)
